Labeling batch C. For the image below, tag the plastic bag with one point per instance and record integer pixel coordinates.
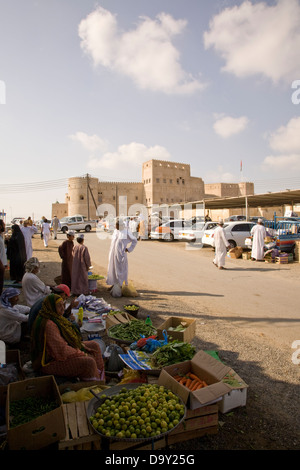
(83, 394)
(116, 291)
(129, 290)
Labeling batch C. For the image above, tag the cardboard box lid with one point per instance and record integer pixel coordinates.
(210, 365)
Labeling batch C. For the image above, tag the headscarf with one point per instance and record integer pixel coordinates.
(31, 264)
(38, 338)
(8, 294)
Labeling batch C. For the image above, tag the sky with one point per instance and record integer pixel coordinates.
(101, 87)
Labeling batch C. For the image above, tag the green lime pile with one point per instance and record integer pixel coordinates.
(131, 307)
(144, 412)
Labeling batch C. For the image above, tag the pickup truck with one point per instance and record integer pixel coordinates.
(76, 223)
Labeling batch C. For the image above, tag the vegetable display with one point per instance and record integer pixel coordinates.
(95, 276)
(131, 331)
(131, 307)
(171, 353)
(191, 381)
(144, 412)
(27, 409)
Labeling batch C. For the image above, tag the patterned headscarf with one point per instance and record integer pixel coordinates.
(8, 294)
(31, 264)
(38, 340)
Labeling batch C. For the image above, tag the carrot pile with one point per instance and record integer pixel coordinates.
(191, 381)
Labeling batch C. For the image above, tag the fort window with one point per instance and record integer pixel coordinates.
(177, 180)
(81, 197)
(157, 180)
(182, 181)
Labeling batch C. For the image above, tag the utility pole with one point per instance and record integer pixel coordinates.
(87, 195)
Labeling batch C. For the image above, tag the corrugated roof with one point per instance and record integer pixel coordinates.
(257, 200)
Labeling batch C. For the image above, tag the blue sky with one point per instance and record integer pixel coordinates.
(100, 87)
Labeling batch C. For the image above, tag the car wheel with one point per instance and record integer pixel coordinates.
(169, 237)
(64, 229)
(88, 228)
(232, 243)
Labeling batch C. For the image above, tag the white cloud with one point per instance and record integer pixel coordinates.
(128, 157)
(258, 39)
(287, 138)
(286, 141)
(145, 54)
(90, 142)
(282, 163)
(227, 126)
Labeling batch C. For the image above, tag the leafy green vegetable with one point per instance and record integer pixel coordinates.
(171, 353)
(131, 331)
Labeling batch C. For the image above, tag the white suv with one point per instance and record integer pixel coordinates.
(235, 232)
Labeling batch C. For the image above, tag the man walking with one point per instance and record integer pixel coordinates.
(258, 232)
(55, 225)
(221, 245)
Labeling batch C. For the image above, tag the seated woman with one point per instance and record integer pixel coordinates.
(57, 348)
(13, 317)
(33, 287)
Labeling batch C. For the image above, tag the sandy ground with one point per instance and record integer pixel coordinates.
(270, 419)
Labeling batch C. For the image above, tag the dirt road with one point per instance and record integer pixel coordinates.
(248, 337)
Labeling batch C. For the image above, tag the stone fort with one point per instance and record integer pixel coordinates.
(163, 183)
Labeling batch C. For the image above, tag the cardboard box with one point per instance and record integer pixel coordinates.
(235, 252)
(186, 335)
(207, 368)
(236, 397)
(246, 255)
(42, 431)
(122, 317)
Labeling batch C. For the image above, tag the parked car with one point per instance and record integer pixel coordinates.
(233, 218)
(196, 231)
(235, 232)
(169, 231)
(255, 219)
(77, 223)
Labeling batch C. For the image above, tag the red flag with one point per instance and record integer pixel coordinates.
(241, 165)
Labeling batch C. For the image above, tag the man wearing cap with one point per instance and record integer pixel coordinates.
(258, 232)
(65, 251)
(221, 245)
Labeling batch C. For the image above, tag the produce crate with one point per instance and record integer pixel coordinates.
(121, 317)
(79, 434)
(42, 431)
(282, 259)
(246, 255)
(186, 335)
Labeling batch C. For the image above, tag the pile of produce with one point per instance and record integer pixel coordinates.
(191, 381)
(172, 353)
(95, 276)
(178, 328)
(27, 409)
(131, 331)
(144, 412)
(131, 307)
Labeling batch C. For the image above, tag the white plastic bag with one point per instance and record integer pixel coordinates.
(116, 291)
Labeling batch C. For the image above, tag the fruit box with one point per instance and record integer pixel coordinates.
(205, 367)
(237, 396)
(42, 431)
(121, 317)
(186, 335)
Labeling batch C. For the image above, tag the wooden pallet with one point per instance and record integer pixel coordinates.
(81, 436)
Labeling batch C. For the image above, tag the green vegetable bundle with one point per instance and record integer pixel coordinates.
(131, 331)
(27, 409)
(172, 353)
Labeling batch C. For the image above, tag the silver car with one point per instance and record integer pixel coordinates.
(194, 234)
(235, 232)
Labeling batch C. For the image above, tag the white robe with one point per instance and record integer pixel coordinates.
(258, 232)
(28, 233)
(117, 258)
(33, 288)
(221, 244)
(46, 232)
(10, 322)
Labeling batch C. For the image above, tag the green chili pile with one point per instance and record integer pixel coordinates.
(131, 331)
(27, 409)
